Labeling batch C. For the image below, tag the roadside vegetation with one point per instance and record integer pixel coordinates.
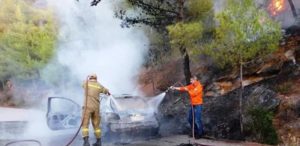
(27, 39)
(27, 43)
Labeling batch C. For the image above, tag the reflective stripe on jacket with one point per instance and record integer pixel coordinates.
(94, 90)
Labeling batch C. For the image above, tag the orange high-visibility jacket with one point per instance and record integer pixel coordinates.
(195, 91)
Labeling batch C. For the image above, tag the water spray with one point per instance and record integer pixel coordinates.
(169, 88)
(111, 101)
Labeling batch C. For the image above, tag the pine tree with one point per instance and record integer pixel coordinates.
(180, 19)
(243, 33)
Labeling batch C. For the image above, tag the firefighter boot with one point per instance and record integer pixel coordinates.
(98, 142)
(86, 141)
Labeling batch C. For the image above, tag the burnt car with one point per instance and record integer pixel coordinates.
(121, 116)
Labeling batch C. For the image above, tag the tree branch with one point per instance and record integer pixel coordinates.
(154, 9)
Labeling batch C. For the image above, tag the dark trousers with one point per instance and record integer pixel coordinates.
(198, 128)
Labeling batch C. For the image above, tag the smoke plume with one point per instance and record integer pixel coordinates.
(92, 41)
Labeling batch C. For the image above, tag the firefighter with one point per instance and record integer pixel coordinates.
(91, 109)
(195, 90)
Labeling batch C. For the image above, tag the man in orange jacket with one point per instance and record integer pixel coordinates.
(195, 90)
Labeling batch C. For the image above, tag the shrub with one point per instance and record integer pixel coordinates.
(261, 127)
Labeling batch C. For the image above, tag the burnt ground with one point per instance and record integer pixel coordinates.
(279, 75)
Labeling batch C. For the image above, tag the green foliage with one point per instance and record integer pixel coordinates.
(188, 33)
(27, 39)
(261, 126)
(199, 9)
(243, 32)
(185, 34)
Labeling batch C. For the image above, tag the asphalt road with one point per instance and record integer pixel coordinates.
(18, 124)
(165, 141)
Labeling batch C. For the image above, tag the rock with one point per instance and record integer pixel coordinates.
(261, 97)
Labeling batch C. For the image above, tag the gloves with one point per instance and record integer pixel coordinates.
(172, 88)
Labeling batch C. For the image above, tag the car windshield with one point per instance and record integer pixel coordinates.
(59, 105)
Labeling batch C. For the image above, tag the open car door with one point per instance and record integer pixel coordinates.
(63, 113)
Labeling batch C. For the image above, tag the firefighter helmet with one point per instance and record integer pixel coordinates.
(93, 76)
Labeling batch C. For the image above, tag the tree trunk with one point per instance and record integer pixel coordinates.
(183, 51)
(241, 97)
(180, 16)
(186, 65)
(153, 84)
(293, 8)
(2, 86)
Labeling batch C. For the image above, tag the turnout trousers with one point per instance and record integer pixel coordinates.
(93, 115)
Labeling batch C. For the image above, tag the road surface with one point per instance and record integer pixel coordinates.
(24, 124)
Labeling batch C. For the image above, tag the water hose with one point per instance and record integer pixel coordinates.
(193, 123)
(28, 140)
(193, 115)
(85, 107)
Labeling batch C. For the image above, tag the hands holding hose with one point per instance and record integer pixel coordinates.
(173, 88)
(177, 88)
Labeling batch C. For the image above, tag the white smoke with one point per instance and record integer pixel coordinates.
(286, 17)
(92, 41)
(219, 5)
